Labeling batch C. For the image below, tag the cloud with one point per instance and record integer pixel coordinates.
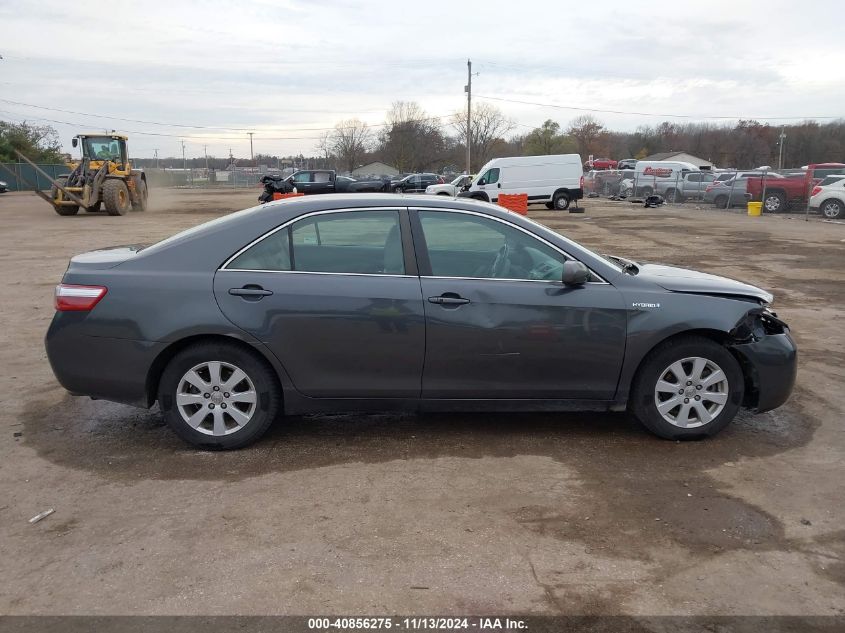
(276, 67)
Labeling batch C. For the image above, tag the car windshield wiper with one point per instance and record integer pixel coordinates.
(627, 265)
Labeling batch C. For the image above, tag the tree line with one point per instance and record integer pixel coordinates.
(411, 140)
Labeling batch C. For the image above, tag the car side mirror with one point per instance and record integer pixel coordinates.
(481, 182)
(74, 141)
(575, 273)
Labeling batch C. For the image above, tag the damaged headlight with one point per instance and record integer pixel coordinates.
(757, 323)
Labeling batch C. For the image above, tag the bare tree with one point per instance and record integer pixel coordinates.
(324, 148)
(350, 141)
(488, 126)
(411, 140)
(588, 133)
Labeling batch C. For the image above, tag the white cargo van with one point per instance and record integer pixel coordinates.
(659, 176)
(555, 180)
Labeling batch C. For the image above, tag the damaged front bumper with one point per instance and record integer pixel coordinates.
(769, 358)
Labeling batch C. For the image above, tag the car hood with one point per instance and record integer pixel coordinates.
(691, 281)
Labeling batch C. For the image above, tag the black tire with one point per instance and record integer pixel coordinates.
(561, 201)
(775, 202)
(397, 190)
(832, 209)
(257, 370)
(642, 399)
(443, 193)
(116, 197)
(645, 192)
(143, 194)
(721, 202)
(673, 195)
(64, 209)
(550, 205)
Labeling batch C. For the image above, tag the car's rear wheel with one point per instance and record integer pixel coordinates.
(774, 202)
(218, 396)
(673, 195)
(687, 388)
(561, 201)
(833, 209)
(721, 202)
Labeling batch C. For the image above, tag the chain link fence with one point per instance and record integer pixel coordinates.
(23, 177)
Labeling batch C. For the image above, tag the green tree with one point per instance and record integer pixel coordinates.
(39, 143)
(547, 139)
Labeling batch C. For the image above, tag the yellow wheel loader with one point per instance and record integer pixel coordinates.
(103, 178)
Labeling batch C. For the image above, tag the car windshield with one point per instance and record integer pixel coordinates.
(101, 148)
(548, 233)
(457, 181)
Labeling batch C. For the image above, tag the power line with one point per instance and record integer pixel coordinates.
(656, 114)
(203, 127)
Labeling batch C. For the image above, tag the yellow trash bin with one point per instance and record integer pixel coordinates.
(755, 208)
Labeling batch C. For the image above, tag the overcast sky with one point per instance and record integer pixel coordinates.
(284, 69)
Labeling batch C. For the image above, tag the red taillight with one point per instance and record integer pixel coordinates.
(816, 190)
(582, 182)
(73, 298)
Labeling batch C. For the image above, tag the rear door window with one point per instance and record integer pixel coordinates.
(362, 242)
(349, 242)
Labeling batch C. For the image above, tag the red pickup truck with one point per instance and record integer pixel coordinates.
(781, 192)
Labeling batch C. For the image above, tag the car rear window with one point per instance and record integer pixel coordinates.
(829, 180)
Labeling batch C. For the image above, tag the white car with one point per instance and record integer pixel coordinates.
(828, 197)
(450, 188)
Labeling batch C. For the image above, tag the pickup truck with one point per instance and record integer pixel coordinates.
(781, 192)
(314, 181)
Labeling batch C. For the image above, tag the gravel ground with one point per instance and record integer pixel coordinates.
(438, 514)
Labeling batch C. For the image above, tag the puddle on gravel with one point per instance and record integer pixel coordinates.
(636, 493)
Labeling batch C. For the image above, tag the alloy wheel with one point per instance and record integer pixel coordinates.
(216, 398)
(832, 209)
(691, 392)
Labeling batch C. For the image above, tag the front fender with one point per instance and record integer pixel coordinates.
(658, 316)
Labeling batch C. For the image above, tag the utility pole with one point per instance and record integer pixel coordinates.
(468, 90)
(782, 138)
(155, 151)
(251, 155)
(184, 162)
(205, 150)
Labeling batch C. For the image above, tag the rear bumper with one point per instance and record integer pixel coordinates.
(773, 364)
(100, 367)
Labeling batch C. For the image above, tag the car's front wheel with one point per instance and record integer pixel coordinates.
(218, 396)
(687, 388)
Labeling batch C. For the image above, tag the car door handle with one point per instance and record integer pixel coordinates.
(254, 292)
(448, 299)
(499, 185)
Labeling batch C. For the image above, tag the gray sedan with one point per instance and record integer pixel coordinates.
(371, 302)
